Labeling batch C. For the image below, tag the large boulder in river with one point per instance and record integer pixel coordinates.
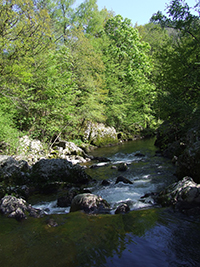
(99, 135)
(53, 170)
(89, 203)
(13, 172)
(17, 208)
(183, 195)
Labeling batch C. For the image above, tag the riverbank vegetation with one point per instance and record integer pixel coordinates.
(62, 65)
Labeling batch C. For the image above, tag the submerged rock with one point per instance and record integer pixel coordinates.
(89, 203)
(122, 167)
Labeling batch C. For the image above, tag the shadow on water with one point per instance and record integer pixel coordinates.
(153, 237)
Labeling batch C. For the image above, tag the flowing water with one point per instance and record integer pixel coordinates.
(147, 172)
(146, 236)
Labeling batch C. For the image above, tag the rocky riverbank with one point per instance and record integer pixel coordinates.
(19, 181)
(182, 146)
(34, 172)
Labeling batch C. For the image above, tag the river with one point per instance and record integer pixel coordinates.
(146, 236)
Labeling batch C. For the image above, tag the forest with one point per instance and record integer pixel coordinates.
(61, 66)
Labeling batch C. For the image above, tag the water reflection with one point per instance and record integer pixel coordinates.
(153, 237)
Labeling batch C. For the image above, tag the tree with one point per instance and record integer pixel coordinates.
(127, 69)
(62, 15)
(178, 81)
(88, 71)
(24, 34)
(49, 95)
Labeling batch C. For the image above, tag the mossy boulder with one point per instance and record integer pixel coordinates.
(99, 135)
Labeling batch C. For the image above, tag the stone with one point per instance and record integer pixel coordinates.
(188, 162)
(89, 203)
(139, 155)
(99, 135)
(51, 170)
(122, 209)
(123, 180)
(51, 223)
(184, 194)
(66, 200)
(105, 183)
(14, 172)
(31, 149)
(17, 208)
(122, 167)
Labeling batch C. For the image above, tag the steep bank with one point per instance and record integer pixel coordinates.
(182, 145)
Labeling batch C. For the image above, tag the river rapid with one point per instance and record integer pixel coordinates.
(147, 236)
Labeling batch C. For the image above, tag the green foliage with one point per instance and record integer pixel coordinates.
(61, 66)
(127, 69)
(88, 75)
(8, 134)
(49, 94)
(178, 80)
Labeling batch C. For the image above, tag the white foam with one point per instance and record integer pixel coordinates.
(51, 208)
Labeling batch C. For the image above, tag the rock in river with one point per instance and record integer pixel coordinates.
(89, 203)
(51, 170)
(184, 195)
(17, 208)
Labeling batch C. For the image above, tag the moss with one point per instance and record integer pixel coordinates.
(105, 140)
(76, 240)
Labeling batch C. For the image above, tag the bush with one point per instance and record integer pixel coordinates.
(8, 134)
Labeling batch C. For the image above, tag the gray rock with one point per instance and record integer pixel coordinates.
(3, 158)
(89, 203)
(99, 135)
(51, 170)
(17, 208)
(184, 194)
(68, 150)
(14, 172)
(66, 200)
(31, 149)
(105, 183)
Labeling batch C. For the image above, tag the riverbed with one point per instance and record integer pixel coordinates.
(147, 236)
